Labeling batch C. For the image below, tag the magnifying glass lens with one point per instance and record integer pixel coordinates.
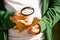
(27, 11)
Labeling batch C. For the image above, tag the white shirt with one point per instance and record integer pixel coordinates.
(17, 5)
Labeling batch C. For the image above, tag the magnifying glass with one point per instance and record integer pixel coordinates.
(26, 11)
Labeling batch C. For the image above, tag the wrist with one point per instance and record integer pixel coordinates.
(39, 29)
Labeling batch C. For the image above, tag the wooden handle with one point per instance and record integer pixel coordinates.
(35, 21)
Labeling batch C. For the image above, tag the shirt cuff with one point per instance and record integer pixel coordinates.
(10, 24)
(42, 26)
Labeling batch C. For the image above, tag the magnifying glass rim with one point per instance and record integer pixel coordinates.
(27, 8)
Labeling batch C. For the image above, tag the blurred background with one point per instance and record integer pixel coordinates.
(56, 31)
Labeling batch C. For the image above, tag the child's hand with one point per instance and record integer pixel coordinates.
(17, 18)
(34, 29)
